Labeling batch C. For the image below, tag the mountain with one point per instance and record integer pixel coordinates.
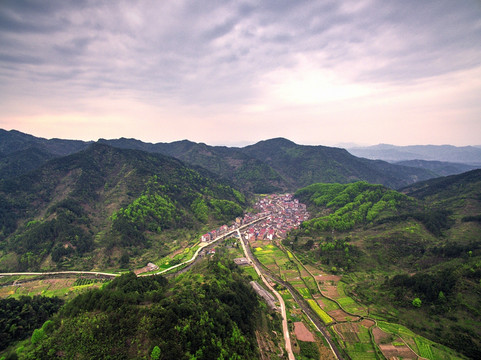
(105, 198)
(275, 165)
(228, 163)
(22, 161)
(461, 187)
(438, 168)
(13, 141)
(466, 154)
(392, 247)
(302, 165)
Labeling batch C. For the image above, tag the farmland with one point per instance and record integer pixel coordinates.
(62, 287)
(326, 294)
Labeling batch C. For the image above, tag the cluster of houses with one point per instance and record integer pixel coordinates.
(282, 213)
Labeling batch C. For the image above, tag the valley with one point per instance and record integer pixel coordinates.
(341, 326)
(131, 241)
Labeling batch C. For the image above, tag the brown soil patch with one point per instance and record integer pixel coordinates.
(302, 333)
(367, 323)
(391, 351)
(340, 315)
(335, 278)
(380, 335)
(348, 332)
(330, 291)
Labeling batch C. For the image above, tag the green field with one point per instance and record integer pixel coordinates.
(251, 271)
(424, 347)
(326, 319)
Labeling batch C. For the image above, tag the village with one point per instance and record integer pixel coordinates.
(281, 213)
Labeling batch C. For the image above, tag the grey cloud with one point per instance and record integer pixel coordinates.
(214, 52)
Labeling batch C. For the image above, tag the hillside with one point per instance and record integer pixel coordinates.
(275, 165)
(22, 161)
(439, 168)
(76, 207)
(304, 165)
(230, 164)
(13, 141)
(393, 248)
(209, 313)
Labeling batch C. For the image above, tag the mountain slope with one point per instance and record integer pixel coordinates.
(438, 168)
(393, 247)
(303, 165)
(228, 163)
(274, 165)
(22, 161)
(104, 197)
(13, 141)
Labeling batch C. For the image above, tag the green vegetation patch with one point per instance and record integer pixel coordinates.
(326, 319)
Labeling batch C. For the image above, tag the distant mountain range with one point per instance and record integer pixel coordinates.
(470, 155)
(268, 166)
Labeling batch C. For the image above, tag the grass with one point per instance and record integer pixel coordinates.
(304, 292)
(363, 348)
(326, 319)
(424, 348)
(252, 272)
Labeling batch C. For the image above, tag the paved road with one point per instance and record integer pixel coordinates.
(285, 327)
(61, 273)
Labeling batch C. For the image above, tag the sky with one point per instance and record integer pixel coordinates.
(237, 72)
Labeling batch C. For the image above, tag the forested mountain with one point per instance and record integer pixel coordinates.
(22, 161)
(209, 313)
(231, 164)
(104, 197)
(439, 168)
(463, 154)
(269, 166)
(280, 164)
(13, 141)
(304, 165)
(420, 244)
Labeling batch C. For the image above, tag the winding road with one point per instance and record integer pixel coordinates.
(285, 327)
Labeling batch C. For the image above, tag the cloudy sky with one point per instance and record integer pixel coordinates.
(235, 72)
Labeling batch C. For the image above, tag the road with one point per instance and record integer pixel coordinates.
(62, 273)
(285, 327)
(201, 246)
(299, 300)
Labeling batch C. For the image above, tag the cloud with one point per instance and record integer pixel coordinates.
(215, 58)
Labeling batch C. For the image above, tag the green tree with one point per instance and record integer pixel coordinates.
(417, 302)
(155, 354)
(38, 334)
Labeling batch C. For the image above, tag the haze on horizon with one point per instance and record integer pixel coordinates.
(233, 73)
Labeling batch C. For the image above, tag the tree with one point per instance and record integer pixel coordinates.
(38, 334)
(417, 302)
(155, 354)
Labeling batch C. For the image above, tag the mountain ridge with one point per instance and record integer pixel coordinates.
(249, 168)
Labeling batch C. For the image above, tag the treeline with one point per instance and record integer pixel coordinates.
(430, 288)
(335, 252)
(444, 293)
(19, 318)
(435, 220)
(206, 315)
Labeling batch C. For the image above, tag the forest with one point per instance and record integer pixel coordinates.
(209, 313)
